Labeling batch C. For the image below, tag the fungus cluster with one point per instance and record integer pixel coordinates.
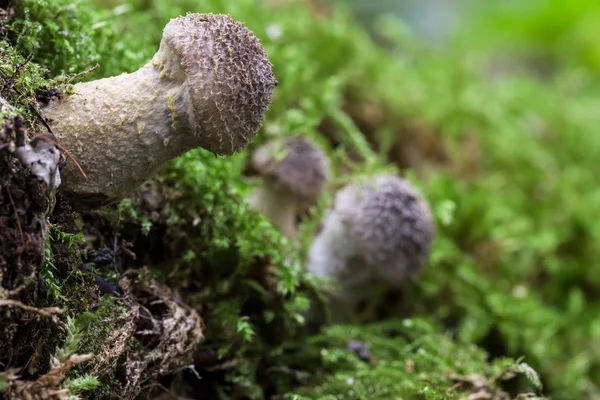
(208, 86)
(295, 171)
(379, 231)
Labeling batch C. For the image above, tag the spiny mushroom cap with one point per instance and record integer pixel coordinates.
(390, 224)
(296, 164)
(229, 77)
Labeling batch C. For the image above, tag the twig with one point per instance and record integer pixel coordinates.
(31, 106)
(228, 192)
(20, 66)
(50, 312)
(82, 73)
(114, 258)
(37, 114)
(3, 76)
(15, 290)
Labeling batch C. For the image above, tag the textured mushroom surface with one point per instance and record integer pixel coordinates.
(208, 85)
(390, 223)
(295, 171)
(235, 76)
(379, 231)
(296, 164)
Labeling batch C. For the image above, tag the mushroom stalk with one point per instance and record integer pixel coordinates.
(208, 86)
(332, 247)
(123, 128)
(278, 205)
(378, 234)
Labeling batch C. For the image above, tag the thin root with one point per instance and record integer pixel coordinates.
(50, 312)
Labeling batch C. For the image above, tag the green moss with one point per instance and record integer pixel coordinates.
(19, 79)
(94, 327)
(243, 275)
(81, 384)
(67, 37)
(408, 359)
(48, 270)
(507, 164)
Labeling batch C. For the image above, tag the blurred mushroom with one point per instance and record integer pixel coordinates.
(4, 105)
(378, 233)
(208, 86)
(295, 171)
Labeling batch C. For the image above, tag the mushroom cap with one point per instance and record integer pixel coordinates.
(295, 163)
(229, 78)
(390, 225)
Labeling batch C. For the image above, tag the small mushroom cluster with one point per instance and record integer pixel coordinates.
(378, 233)
(209, 85)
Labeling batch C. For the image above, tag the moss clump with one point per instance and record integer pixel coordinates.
(20, 79)
(408, 358)
(67, 37)
(244, 277)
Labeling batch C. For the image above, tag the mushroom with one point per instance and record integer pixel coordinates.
(208, 86)
(378, 233)
(42, 157)
(295, 171)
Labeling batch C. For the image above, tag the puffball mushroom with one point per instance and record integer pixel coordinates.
(378, 233)
(295, 171)
(208, 86)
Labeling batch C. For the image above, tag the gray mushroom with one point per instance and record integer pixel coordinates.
(378, 233)
(295, 171)
(208, 86)
(41, 156)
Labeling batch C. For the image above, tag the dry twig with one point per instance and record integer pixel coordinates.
(50, 312)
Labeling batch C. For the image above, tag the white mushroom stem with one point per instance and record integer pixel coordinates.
(334, 254)
(121, 129)
(278, 205)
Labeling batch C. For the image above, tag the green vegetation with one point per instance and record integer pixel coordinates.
(507, 162)
(551, 32)
(404, 358)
